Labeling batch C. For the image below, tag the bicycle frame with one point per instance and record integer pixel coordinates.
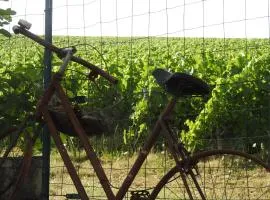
(42, 110)
(176, 149)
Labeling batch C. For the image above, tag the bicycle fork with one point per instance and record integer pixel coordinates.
(181, 157)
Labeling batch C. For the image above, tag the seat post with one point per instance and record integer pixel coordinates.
(169, 108)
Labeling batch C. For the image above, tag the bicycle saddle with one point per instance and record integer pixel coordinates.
(180, 84)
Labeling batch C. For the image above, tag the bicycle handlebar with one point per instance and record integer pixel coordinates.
(61, 53)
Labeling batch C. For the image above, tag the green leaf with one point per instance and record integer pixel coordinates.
(6, 14)
(5, 32)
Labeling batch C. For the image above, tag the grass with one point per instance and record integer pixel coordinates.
(221, 177)
(116, 169)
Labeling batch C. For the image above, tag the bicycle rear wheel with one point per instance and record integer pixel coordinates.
(222, 174)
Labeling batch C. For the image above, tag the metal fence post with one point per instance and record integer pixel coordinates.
(47, 77)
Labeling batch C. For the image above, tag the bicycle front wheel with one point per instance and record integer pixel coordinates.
(221, 174)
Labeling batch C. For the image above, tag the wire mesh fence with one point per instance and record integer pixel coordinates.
(224, 42)
(217, 173)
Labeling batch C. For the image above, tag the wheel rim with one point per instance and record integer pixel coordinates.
(223, 174)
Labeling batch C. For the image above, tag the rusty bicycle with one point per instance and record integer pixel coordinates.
(213, 174)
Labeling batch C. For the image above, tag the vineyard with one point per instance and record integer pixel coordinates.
(238, 71)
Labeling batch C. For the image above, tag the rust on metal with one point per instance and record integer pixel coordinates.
(44, 100)
(61, 53)
(63, 152)
(26, 164)
(175, 152)
(85, 142)
(43, 114)
(144, 151)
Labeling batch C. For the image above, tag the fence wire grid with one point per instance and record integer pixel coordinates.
(224, 42)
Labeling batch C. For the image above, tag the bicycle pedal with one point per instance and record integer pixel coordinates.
(139, 195)
(73, 196)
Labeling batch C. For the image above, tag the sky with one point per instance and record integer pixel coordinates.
(176, 18)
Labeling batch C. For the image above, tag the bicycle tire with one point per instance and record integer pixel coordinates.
(223, 174)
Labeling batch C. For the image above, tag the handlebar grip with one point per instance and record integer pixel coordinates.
(61, 53)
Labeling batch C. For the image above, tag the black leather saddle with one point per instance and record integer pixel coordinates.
(180, 84)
